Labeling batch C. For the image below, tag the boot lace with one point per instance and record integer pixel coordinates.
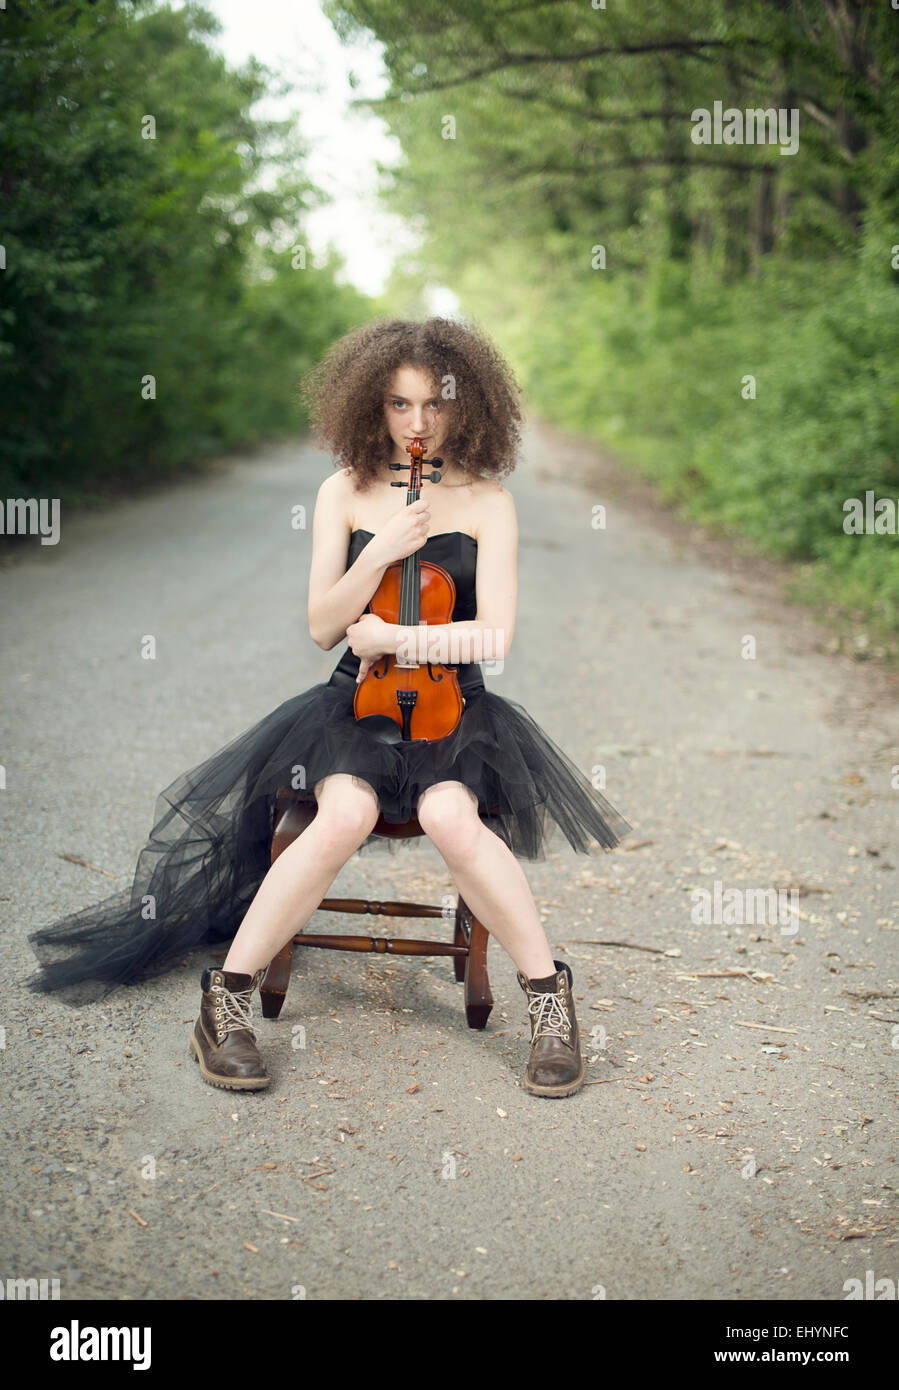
(234, 1010)
(550, 1016)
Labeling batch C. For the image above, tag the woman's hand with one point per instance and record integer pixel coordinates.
(370, 639)
(403, 534)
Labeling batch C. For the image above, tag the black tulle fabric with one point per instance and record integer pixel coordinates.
(210, 844)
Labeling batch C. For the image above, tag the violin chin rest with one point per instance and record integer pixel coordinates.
(382, 727)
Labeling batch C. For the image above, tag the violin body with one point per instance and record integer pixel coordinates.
(424, 700)
(398, 699)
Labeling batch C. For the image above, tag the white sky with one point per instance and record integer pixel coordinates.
(294, 38)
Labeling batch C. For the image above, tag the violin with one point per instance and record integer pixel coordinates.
(401, 700)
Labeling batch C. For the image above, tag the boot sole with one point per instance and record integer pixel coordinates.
(225, 1083)
(565, 1088)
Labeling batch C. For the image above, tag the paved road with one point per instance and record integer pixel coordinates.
(737, 1137)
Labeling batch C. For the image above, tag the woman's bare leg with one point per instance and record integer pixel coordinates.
(487, 874)
(301, 876)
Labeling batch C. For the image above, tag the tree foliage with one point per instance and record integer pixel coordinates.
(536, 133)
(153, 308)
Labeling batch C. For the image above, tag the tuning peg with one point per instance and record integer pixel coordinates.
(434, 477)
(435, 463)
(399, 465)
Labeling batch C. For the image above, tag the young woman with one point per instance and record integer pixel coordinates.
(205, 867)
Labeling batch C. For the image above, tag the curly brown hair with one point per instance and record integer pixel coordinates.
(345, 395)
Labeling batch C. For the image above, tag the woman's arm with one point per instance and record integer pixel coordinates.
(337, 595)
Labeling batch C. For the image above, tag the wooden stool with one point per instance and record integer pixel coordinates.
(469, 945)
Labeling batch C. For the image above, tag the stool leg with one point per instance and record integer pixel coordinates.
(273, 990)
(478, 998)
(459, 939)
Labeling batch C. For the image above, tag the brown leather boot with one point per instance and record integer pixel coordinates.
(555, 1066)
(223, 1042)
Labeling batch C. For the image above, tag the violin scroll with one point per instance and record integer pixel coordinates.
(417, 449)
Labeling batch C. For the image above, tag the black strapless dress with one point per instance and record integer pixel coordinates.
(209, 848)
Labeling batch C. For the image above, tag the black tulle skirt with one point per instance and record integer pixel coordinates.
(210, 846)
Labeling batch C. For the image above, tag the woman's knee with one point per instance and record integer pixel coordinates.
(448, 814)
(347, 809)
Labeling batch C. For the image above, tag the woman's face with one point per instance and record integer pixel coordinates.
(412, 407)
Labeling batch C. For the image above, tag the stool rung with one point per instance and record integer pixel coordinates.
(389, 909)
(380, 945)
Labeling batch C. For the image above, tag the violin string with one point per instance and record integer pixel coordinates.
(404, 610)
(406, 596)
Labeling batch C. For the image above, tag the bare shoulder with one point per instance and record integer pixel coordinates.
(333, 497)
(495, 507)
(333, 510)
(337, 484)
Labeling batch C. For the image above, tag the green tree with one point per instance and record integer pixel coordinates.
(148, 317)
